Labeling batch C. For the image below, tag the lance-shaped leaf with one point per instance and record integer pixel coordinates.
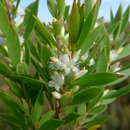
(86, 95)
(89, 40)
(13, 120)
(38, 107)
(98, 120)
(42, 29)
(74, 23)
(96, 79)
(117, 93)
(12, 42)
(51, 124)
(125, 20)
(124, 53)
(52, 6)
(29, 20)
(61, 7)
(89, 23)
(47, 116)
(88, 7)
(12, 104)
(5, 70)
(69, 118)
(37, 84)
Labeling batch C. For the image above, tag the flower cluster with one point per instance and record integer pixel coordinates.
(63, 66)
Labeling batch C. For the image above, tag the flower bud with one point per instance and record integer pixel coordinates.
(56, 95)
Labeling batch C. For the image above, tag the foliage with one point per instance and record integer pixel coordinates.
(62, 74)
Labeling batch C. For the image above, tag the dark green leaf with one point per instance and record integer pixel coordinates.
(46, 116)
(38, 107)
(69, 118)
(13, 120)
(51, 125)
(5, 70)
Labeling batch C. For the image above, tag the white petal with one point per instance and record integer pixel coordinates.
(64, 58)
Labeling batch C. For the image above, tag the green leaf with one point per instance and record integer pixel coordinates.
(69, 118)
(117, 93)
(29, 80)
(52, 6)
(96, 79)
(13, 105)
(90, 39)
(61, 7)
(103, 59)
(125, 52)
(51, 124)
(29, 20)
(45, 54)
(5, 70)
(74, 23)
(13, 120)
(13, 44)
(89, 23)
(66, 13)
(97, 110)
(15, 88)
(96, 121)
(125, 20)
(43, 30)
(47, 116)
(86, 95)
(37, 108)
(88, 7)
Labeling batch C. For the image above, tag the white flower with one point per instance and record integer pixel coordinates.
(57, 81)
(84, 57)
(91, 62)
(56, 95)
(113, 55)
